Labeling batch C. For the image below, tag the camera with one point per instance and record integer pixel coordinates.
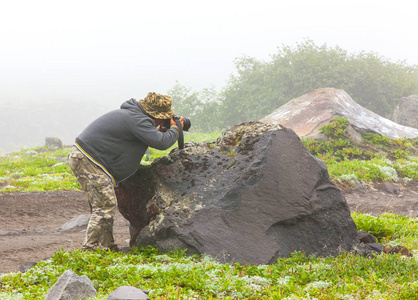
(186, 125)
(186, 122)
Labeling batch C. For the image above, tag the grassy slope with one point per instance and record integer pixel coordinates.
(176, 276)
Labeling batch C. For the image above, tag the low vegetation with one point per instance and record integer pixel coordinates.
(373, 159)
(175, 275)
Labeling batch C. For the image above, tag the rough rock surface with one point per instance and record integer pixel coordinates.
(255, 195)
(406, 112)
(71, 286)
(306, 114)
(127, 293)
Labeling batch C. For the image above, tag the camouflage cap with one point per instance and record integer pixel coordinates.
(157, 105)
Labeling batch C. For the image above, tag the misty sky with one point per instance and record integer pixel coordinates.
(64, 63)
(114, 50)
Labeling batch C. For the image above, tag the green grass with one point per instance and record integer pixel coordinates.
(389, 229)
(178, 276)
(37, 169)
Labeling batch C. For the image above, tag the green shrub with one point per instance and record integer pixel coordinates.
(407, 168)
(376, 226)
(336, 129)
(363, 160)
(374, 170)
(377, 139)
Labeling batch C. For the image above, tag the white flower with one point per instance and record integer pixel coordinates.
(284, 280)
(17, 296)
(163, 257)
(318, 284)
(389, 172)
(9, 187)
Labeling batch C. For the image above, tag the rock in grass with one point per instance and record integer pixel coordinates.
(71, 286)
(366, 237)
(398, 249)
(127, 293)
(254, 196)
(26, 266)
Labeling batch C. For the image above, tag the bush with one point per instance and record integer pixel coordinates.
(346, 159)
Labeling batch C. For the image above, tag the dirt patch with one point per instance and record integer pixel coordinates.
(30, 225)
(378, 199)
(30, 222)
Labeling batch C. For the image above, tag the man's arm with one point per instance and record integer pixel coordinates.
(147, 132)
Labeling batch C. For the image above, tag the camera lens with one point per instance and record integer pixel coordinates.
(186, 124)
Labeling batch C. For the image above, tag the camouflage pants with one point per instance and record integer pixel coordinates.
(98, 187)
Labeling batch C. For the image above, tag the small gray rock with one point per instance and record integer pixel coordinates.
(363, 250)
(53, 142)
(389, 188)
(27, 265)
(375, 247)
(357, 184)
(368, 250)
(71, 286)
(127, 293)
(366, 238)
(79, 221)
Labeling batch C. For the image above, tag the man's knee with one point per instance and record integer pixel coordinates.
(104, 200)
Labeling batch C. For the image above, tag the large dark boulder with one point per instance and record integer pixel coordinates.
(253, 196)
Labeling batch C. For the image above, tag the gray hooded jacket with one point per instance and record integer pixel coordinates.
(117, 141)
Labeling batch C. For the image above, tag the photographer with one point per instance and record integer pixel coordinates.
(110, 150)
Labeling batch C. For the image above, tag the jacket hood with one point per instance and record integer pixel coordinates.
(131, 104)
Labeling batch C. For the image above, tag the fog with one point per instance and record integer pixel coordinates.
(62, 64)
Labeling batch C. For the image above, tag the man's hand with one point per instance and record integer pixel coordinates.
(172, 122)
